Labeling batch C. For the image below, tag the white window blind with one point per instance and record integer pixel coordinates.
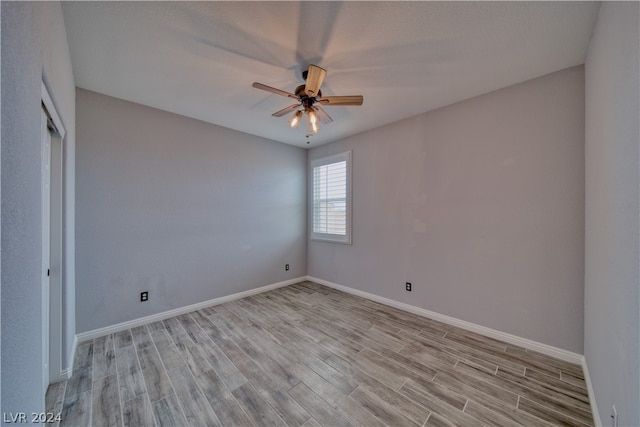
(331, 198)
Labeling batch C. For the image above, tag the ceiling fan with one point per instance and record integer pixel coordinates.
(308, 95)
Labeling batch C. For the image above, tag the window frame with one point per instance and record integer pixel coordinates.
(327, 237)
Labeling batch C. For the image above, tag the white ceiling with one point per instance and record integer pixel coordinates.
(199, 59)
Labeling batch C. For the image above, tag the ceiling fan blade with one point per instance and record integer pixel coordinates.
(322, 115)
(285, 111)
(315, 76)
(342, 100)
(274, 90)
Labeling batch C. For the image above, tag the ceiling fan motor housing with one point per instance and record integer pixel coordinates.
(306, 100)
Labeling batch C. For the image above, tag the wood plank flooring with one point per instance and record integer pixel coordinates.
(308, 355)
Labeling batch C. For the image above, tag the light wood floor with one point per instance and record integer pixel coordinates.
(310, 355)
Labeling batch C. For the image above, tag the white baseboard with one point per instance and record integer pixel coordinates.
(84, 336)
(558, 353)
(492, 333)
(592, 396)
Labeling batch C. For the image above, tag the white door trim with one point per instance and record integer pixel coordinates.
(45, 187)
(51, 110)
(56, 364)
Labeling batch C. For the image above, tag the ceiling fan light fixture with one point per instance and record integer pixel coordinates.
(295, 120)
(312, 121)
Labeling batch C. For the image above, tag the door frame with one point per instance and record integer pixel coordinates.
(45, 197)
(52, 333)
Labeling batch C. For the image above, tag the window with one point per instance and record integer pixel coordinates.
(331, 210)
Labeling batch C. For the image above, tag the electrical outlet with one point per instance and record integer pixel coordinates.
(407, 286)
(614, 416)
(286, 267)
(144, 296)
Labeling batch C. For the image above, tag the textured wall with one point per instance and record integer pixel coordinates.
(34, 47)
(480, 205)
(186, 210)
(612, 254)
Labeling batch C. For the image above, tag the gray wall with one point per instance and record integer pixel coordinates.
(612, 286)
(186, 210)
(34, 47)
(480, 205)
